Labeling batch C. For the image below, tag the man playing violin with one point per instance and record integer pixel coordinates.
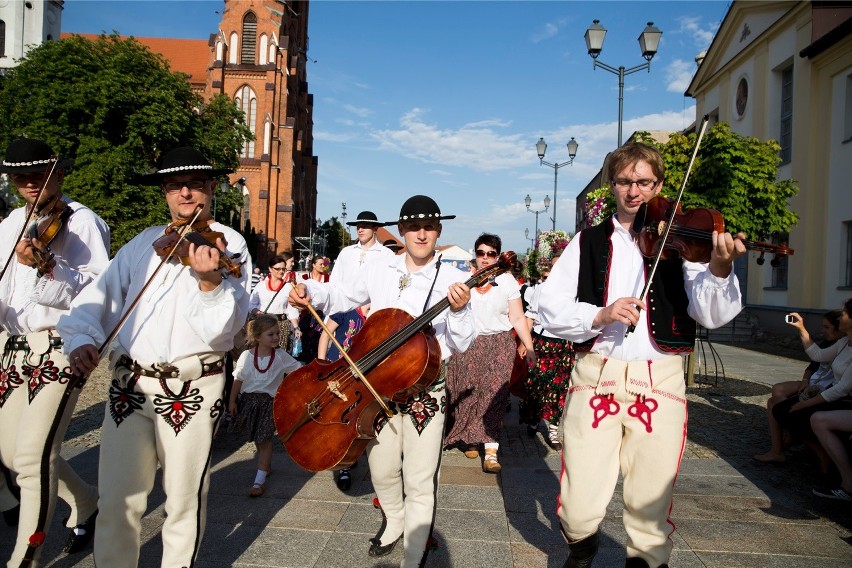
(41, 276)
(166, 394)
(627, 407)
(405, 456)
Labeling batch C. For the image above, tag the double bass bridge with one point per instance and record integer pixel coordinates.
(334, 388)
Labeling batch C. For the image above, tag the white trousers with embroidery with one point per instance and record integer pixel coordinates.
(404, 468)
(150, 420)
(643, 438)
(37, 403)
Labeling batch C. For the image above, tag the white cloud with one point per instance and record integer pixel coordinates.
(701, 36)
(548, 30)
(679, 73)
(358, 111)
(479, 145)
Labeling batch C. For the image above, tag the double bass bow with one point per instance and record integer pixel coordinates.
(325, 413)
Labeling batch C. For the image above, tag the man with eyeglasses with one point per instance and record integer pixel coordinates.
(165, 399)
(627, 407)
(37, 391)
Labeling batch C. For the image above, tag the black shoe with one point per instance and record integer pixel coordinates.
(582, 552)
(11, 516)
(344, 480)
(376, 548)
(531, 430)
(81, 535)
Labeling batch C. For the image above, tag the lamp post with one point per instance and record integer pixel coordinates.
(528, 202)
(649, 41)
(541, 148)
(532, 241)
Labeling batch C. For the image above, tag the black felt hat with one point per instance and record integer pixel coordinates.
(29, 155)
(366, 217)
(420, 208)
(180, 161)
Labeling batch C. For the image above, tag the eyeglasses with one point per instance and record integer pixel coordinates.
(643, 184)
(176, 186)
(279, 268)
(489, 253)
(23, 179)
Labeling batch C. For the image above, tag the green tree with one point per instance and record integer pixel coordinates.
(336, 237)
(114, 107)
(734, 174)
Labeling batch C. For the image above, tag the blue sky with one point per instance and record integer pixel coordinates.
(448, 99)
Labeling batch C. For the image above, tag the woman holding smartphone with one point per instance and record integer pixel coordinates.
(795, 414)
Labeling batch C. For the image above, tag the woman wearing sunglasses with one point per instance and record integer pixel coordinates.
(478, 379)
(270, 297)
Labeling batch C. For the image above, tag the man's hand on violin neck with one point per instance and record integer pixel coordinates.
(204, 261)
(298, 297)
(726, 249)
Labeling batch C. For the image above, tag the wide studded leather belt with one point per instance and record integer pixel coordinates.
(167, 371)
(19, 343)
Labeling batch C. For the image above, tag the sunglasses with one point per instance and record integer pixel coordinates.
(490, 254)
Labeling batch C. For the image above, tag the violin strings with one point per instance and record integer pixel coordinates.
(698, 233)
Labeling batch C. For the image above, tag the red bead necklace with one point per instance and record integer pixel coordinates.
(271, 359)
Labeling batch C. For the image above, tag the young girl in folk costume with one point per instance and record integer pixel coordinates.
(257, 375)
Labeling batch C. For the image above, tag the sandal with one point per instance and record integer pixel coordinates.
(257, 490)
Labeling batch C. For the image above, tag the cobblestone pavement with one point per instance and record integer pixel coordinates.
(729, 510)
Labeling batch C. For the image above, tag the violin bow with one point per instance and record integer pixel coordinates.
(640, 221)
(352, 365)
(105, 345)
(30, 215)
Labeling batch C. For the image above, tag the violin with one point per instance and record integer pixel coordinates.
(325, 415)
(199, 234)
(690, 234)
(44, 226)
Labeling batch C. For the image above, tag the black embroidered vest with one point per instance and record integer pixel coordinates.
(671, 328)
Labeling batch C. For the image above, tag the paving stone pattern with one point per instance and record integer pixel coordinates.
(729, 510)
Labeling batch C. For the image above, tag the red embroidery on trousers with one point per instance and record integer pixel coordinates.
(642, 410)
(603, 406)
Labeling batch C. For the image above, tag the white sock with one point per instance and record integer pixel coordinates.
(491, 445)
(260, 478)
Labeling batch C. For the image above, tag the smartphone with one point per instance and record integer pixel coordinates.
(790, 318)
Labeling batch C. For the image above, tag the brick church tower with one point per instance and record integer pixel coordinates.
(258, 59)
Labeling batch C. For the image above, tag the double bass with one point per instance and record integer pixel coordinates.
(325, 414)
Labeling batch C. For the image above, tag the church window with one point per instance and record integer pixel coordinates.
(232, 49)
(246, 101)
(247, 55)
(2, 38)
(263, 49)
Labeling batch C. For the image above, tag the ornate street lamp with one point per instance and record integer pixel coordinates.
(649, 41)
(541, 148)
